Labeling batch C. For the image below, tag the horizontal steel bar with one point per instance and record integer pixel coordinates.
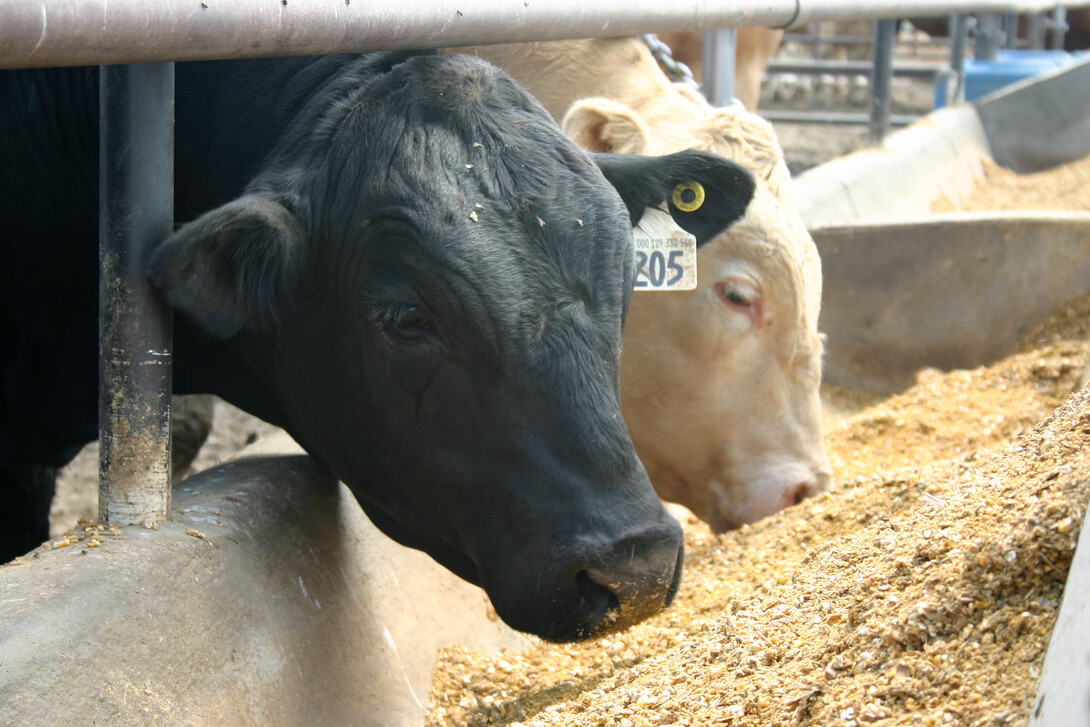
(828, 39)
(78, 32)
(856, 40)
(831, 117)
(911, 70)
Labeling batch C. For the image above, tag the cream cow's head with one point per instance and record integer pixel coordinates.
(720, 385)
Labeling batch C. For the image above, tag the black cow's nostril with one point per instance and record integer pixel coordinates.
(595, 600)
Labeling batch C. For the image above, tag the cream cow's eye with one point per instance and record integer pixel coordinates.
(737, 296)
(741, 296)
(737, 293)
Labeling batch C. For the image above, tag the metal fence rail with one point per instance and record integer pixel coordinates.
(991, 30)
(79, 32)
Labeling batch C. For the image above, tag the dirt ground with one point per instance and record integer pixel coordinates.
(77, 484)
(809, 144)
(921, 590)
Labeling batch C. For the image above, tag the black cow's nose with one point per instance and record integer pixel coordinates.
(625, 583)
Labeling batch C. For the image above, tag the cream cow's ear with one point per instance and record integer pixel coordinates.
(693, 96)
(599, 124)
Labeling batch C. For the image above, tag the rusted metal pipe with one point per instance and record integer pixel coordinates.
(136, 206)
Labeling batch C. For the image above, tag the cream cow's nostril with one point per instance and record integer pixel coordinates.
(798, 493)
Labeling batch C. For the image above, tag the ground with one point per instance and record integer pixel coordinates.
(921, 590)
(77, 485)
(807, 145)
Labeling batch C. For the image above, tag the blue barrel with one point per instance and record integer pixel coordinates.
(1010, 66)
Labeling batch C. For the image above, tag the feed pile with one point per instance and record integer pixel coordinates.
(1064, 187)
(919, 593)
(921, 590)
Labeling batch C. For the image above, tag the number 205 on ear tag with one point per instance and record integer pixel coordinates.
(665, 253)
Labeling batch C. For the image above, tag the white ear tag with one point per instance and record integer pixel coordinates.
(665, 253)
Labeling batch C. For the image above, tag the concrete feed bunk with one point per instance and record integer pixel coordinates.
(271, 600)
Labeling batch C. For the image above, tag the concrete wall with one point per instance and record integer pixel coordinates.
(269, 600)
(904, 289)
(1039, 123)
(940, 155)
(953, 291)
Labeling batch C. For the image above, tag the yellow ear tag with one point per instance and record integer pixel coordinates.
(688, 196)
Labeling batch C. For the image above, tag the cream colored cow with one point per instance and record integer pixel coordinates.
(719, 384)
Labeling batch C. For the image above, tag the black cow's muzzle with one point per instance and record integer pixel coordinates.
(629, 593)
(595, 588)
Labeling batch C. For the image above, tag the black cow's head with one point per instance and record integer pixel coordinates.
(432, 280)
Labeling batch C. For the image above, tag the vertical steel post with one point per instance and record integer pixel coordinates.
(1036, 31)
(1010, 27)
(881, 80)
(959, 37)
(988, 37)
(719, 60)
(815, 44)
(1057, 29)
(136, 206)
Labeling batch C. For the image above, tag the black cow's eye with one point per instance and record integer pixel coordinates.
(408, 323)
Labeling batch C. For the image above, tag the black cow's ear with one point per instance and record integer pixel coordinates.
(232, 268)
(704, 193)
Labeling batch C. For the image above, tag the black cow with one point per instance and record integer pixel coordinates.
(398, 258)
